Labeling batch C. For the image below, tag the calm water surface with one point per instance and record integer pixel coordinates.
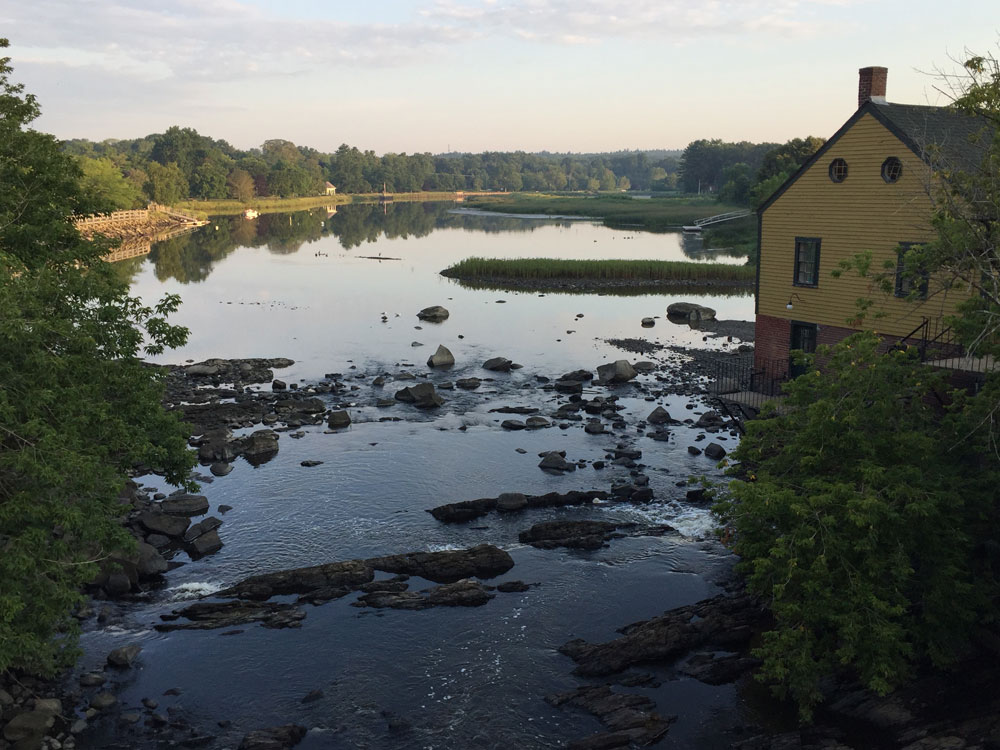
(312, 287)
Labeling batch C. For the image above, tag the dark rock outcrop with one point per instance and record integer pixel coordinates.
(274, 738)
(572, 534)
(211, 615)
(421, 395)
(629, 717)
(468, 510)
(463, 593)
(331, 576)
(483, 561)
(723, 622)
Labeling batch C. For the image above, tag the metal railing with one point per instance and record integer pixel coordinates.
(749, 382)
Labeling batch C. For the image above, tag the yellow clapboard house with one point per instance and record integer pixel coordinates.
(869, 188)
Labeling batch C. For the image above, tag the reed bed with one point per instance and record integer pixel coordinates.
(616, 210)
(542, 269)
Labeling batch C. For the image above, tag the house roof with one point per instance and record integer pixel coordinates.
(941, 136)
(944, 138)
(329, 184)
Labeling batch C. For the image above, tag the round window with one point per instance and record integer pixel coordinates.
(892, 169)
(838, 170)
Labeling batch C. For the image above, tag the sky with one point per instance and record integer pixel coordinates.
(480, 75)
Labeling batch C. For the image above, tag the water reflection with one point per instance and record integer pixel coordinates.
(190, 258)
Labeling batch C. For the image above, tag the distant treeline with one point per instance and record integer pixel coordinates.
(743, 173)
(182, 164)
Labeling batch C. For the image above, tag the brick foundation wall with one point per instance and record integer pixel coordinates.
(771, 338)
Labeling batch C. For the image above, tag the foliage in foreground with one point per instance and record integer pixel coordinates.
(619, 270)
(77, 407)
(862, 516)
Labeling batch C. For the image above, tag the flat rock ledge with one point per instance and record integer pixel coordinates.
(468, 510)
(571, 534)
(722, 623)
(454, 569)
(274, 738)
(629, 717)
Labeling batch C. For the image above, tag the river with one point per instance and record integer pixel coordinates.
(314, 287)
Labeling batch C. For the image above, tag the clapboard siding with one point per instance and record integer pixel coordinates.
(861, 213)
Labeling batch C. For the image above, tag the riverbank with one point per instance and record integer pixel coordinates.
(619, 211)
(225, 207)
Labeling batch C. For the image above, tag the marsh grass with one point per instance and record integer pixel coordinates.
(616, 210)
(645, 271)
(609, 287)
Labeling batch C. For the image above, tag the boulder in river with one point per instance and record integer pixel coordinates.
(498, 364)
(28, 728)
(205, 544)
(157, 522)
(433, 314)
(715, 452)
(259, 446)
(185, 505)
(659, 415)
(684, 311)
(441, 358)
(468, 384)
(555, 461)
(421, 395)
(123, 656)
(339, 419)
(616, 372)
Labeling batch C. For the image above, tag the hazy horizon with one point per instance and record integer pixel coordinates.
(585, 76)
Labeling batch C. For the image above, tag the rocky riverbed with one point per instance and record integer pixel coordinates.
(243, 415)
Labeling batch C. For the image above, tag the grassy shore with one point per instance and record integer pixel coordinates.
(628, 271)
(224, 207)
(614, 209)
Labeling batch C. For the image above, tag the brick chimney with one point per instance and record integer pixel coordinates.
(871, 84)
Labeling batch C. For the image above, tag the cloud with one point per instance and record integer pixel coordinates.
(212, 40)
(572, 21)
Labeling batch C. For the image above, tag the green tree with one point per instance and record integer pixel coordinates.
(859, 518)
(209, 181)
(104, 182)
(165, 184)
(240, 185)
(78, 409)
(736, 181)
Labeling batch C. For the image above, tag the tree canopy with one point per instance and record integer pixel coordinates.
(78, 409)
